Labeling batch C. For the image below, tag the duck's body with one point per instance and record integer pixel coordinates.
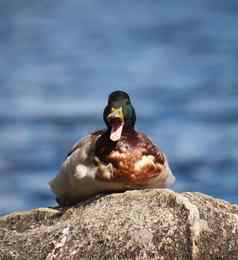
(111, 160)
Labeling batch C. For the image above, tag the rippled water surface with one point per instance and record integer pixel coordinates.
(60, 60)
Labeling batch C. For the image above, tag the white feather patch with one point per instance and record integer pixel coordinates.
(144, 161)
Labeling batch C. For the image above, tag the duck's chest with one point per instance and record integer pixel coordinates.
(127, 146)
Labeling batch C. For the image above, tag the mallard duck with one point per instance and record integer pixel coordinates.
(112, 160)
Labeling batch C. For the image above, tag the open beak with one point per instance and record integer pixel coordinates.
(116, 121)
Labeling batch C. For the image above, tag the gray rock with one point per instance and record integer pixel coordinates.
(140, 224)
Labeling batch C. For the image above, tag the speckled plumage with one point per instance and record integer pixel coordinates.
(135, 159)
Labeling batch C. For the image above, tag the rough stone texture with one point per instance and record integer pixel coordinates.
(142, 224)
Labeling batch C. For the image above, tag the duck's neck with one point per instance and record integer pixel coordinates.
(127, 129)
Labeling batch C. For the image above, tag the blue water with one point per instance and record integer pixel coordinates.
(60, 59)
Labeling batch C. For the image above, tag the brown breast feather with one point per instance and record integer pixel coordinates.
(124, 155)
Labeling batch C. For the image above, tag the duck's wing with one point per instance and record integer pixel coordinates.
(75, 147)
(165, 177)
(92, 138)
(79, 163)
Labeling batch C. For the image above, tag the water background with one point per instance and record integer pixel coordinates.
(60, 59)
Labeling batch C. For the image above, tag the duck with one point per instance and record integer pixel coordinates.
(114, 159)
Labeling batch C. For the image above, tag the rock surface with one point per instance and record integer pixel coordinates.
(141, 224)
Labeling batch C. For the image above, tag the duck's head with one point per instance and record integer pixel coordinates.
(119, 114)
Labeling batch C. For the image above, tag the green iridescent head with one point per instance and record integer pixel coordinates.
(118, 114)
